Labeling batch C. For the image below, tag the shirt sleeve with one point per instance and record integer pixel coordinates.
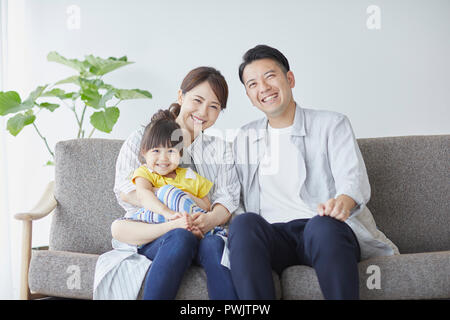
(203, 187)
(143, 172)
(228, 188)
(347, 164)
(127, 162)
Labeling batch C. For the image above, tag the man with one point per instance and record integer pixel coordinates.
(304, 188)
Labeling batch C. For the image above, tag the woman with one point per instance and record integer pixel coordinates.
(202, 95)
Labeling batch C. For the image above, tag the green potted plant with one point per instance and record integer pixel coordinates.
(90, 92)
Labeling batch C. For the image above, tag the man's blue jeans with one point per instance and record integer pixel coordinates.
(173, 253)
(258, 247)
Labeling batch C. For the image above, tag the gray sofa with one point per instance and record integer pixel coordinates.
(409, 176)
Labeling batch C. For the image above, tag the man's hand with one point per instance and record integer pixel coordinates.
(338, 208)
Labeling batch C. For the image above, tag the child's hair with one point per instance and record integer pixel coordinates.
(162, 131)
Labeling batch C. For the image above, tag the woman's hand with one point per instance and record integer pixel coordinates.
(198, 233)
(203, 222)
(184, 221)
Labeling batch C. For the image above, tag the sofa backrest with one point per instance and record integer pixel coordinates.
(409, 177)
(84, 182)
(410, 182)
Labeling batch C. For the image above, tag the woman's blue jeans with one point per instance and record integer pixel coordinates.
(171, 256)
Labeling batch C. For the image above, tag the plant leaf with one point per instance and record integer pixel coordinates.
(55, 92)
(49, 106)
(16, 123)
(71, 79)
(91, 83)
(91, 97)
(126, 94)
(34, 95)
(106, 97)
(10, 102)
(105, 120)
(73, 63)
(61, 94)
(100, 66)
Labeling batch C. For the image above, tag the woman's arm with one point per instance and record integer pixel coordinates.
(126, 163)
(225, 198)
(130, 198)
(137, 233)
(205, 222)
(203, 203)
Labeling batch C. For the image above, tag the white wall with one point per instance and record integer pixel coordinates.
(391, 81)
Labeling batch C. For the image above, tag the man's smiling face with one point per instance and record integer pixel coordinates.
(268, 86)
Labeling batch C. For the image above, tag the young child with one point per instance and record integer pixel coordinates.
(177, 189)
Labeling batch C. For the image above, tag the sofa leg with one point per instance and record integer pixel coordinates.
(34, 296)
(26, 257)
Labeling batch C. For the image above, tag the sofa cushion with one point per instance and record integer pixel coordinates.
(84, 182)
(409, 178)
(71, 275)
(405, 276)
(62, 274)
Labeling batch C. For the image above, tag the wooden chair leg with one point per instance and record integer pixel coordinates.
(26, 257)
(34, 296)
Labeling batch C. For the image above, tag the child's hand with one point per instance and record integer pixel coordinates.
(183, 221)
(171, 215)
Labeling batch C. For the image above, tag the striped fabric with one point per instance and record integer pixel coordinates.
(119, 273)
(176, 200)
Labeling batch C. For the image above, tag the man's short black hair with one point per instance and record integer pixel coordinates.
(263, 51)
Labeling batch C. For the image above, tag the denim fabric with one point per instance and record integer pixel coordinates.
(209, 256)
(173, 253)
(326, 244)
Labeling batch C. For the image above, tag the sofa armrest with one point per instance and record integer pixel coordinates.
(45, 206)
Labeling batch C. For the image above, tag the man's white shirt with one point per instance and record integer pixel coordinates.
(279, 189)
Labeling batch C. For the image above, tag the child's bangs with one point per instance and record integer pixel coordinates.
(163, 135)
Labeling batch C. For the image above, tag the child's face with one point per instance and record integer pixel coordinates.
(162, 160)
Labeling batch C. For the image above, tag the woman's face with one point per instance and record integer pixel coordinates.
(199, 109)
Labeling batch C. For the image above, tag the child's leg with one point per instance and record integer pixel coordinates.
(145, 215)
(177, 200)
(173, 198)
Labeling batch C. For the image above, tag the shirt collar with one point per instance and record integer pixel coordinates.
(298, 127)
(197, 141)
